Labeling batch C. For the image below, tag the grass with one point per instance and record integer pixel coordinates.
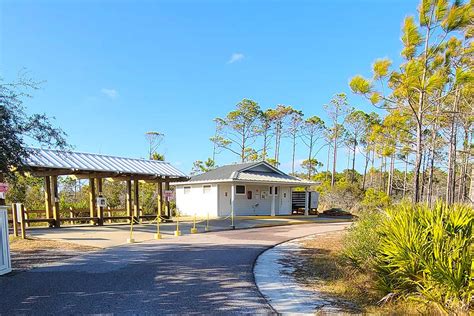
(326, 271)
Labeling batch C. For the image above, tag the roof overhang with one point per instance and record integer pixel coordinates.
(284, 183)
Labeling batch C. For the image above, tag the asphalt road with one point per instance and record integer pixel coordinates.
(196, 274)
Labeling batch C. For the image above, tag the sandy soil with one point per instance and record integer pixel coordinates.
(32, 252)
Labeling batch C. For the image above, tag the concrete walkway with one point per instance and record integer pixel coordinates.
(117, 234)
(274, 277)
(205, 274)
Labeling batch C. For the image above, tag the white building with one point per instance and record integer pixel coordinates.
(255, 188)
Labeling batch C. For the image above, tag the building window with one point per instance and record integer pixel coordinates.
(187, 190)
(271, 190)
(206, 189)
(240, 189)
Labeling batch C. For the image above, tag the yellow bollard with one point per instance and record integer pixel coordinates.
(177, 232)
(158, 234)
(194, 229)
(207, 223)
(131, 240)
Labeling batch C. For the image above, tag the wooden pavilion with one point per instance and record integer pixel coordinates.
(50, 164)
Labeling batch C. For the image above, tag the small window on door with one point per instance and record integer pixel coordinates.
(249, 195)
(240, 189)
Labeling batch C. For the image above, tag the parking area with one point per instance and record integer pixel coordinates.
(117, 234)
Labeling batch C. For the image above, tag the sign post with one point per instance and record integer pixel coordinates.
(3, 190)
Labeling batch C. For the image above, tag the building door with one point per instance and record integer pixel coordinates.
(285, 201)
(224, 197)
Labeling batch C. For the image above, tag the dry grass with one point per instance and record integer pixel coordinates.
(327, 272)
(32, 252)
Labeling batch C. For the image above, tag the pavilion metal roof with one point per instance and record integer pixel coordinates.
(77, 162)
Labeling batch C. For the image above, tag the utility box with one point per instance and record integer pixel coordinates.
(5, 261)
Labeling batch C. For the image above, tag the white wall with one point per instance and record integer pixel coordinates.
(196, 201)
(262, 206)
(217, 201)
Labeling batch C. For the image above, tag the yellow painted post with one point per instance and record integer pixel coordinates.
(22, 220)
(131, 240)
(14, 220)
(194, 229)
(158, 234)
(207, 223)
(177, 231)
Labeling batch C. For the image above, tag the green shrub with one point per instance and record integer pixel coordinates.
(360, 244)
(426, 254)
(375, 199)
(418, 253)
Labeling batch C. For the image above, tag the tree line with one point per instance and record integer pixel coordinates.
(426, 125)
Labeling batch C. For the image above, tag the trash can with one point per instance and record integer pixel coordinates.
(5, 261)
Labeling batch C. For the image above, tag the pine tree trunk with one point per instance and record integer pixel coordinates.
(416, 171)
(390, 175)
(405, 178)
(333, 175)
(353, 162)
(365, 171)
(429, 198)
(451, 180)
(293, 155)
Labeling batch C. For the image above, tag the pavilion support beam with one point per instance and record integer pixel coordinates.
(167, 202)
(92, 199)
(55, 198)
(136, 199)
(129, 199)
(159, 198)
(100, 209)
(47, 197)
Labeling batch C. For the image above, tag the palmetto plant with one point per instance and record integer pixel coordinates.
(426, 254)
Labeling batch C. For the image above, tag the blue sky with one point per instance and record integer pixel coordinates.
(116, 69)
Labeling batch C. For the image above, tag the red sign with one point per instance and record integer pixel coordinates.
(3, 187)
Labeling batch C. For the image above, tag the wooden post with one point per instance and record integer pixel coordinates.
(159, 198)
(167, 202)
(14, 220)
(22, 221)
(55, 197)
(129, 199)
(47, 197)
(136, 199)
(100, 209)
(71, 215)
(91, 199)
(109, 214)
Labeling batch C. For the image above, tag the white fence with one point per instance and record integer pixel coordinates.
(5, 263)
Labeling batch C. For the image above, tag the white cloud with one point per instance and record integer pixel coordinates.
(236, 57)
(111, 93)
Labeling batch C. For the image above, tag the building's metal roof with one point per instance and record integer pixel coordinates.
(77, 162)
(248, 172)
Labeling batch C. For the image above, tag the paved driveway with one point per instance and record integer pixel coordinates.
(202, 274)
